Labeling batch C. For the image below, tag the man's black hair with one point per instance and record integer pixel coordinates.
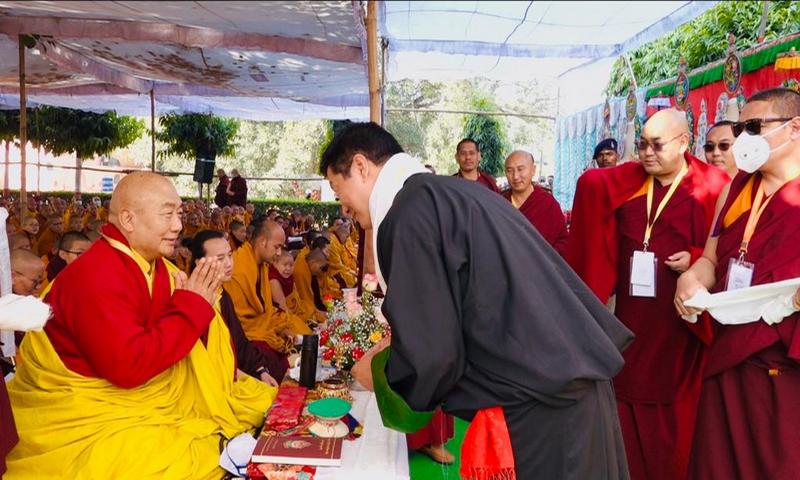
(368, 139)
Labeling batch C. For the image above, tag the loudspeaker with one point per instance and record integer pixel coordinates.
(203, 170)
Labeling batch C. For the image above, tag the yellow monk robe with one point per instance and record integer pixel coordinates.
(248, 219)
(352, 250)
(340, 262)
(47, 241)
(77, 427)
(189, 231)
(303, 292)
(260, 319)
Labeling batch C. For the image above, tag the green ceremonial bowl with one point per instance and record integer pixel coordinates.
(329, 408)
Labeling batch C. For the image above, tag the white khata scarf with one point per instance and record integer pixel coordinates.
(391, 178)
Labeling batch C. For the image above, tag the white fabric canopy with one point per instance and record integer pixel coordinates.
(573, 43)
(255, 60)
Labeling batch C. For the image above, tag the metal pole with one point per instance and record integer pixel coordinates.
(23, 129)
(762, 28)
(372, 62)
(468, 112)
(152, 131)
(630, 70)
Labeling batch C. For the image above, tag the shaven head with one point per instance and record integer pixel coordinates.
(27, 270)
(146, 209)
(520, 169)
(317, 261)
(284, 264)
(19, 241)
(72, 245)
(268, 240)
(666, 138)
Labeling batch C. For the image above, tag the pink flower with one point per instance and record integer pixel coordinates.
(370, 282)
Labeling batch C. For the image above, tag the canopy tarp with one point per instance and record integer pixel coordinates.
(255, 60)
(566, 41)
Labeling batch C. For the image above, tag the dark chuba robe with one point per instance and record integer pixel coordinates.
(484, 313)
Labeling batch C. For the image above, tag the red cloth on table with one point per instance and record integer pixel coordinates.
(121, 333)
(544, 213)
(748, 414)
(437, 432)
(286, 409)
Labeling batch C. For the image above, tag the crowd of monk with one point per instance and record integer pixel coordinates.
(189, 315)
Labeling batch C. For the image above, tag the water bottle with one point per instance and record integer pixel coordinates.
(308, 361)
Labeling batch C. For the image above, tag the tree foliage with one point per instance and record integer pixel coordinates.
(704, 40)
(197, 135)
(65, 130)
(490, 134)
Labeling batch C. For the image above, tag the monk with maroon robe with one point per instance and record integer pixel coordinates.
(538, 206)
(468, 157)
(748, 414)
(658, 388)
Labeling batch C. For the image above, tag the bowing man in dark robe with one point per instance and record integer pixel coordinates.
(486, 322)
(658, 389)
(538, 206)
(468, 157)
(748, 415)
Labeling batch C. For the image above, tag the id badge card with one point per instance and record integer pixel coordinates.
(740, 274)
(643, 274)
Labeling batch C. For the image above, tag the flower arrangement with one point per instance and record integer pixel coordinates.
(353, 327)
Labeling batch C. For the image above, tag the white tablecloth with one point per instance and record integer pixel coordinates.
(379, 454)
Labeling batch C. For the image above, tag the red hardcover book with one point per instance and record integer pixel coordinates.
(296, 450)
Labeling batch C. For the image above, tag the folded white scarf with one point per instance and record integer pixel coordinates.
(390, 180)
(16, 312)
(771, 302)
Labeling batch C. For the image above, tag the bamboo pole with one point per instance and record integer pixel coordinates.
(372, 63)
(375, 115)
(6, 187)
(23, 129)
(152, 131)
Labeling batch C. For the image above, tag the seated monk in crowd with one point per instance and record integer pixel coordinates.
(285, 294)
(250, 360)
(19, 241)
(270, 329)
(27, 272)
(30, 227)
(329, 284)
(183, 254)
(341, 261)
(138, 379)
(237, 234)
(48, 238)
(308, 271)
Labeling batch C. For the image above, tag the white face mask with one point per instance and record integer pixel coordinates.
(751, 152)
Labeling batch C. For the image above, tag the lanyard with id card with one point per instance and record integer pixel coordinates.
(643, 263)
(740, 272)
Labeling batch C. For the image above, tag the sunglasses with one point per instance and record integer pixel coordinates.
(753, 126)
(643, 144)
(723, 146)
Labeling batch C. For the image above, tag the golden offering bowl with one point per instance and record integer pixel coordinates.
(334, 388)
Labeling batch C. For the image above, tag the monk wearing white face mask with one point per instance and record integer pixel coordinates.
(752, 378)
